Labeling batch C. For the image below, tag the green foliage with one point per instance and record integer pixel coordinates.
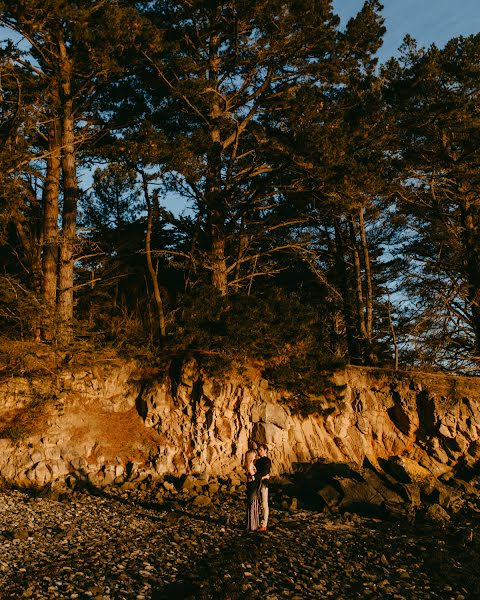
(434, 94)
(259, 326)
(304, 376)
(278, 331)
(353, 193)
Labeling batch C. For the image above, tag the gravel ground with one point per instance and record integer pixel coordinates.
(119, 545)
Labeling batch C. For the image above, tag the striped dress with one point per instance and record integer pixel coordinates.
(253, 505)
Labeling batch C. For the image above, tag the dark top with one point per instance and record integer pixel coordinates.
(263, 466)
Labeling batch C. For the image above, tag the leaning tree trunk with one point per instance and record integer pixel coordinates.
(242, 248)
(359, 300)
(148, 252)
(369, 354)
(50, 228)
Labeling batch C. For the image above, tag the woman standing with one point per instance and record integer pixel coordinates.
(253, 492)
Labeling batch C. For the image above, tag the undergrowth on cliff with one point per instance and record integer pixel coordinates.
(24, 422)
(276, 329)
(282, 333)
(304, 376)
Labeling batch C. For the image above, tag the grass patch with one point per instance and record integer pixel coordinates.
(24, 422)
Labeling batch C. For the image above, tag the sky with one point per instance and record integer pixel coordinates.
(427, 21)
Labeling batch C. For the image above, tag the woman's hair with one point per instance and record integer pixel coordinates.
(249, 458)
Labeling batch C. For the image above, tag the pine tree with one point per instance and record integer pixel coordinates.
(435, 93)
(70, 56)
(337, 138)
(222, 67)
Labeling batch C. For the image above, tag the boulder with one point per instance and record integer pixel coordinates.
(436, 514)
(331, 496)
(202, 500)
(405, 469)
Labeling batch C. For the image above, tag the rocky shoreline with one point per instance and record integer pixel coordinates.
(117, 421)
(123, 482)
(155, 543)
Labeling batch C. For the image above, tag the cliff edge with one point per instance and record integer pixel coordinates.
(116, 421)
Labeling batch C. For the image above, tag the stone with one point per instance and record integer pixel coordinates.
(20, 533)
(37, 456)
(293, 505)
(331, 496)
(79, 463)
(406, 470)
(213, 488)
(358, 492)
(42, 474)
(108, 477)
(189, 484)
(169, 486)
(52, 453)
(437, 514)
(449, 497)
(382, 486)
(445, 431)
(202, 500)
(413, 493)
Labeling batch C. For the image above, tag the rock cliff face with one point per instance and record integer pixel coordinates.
(115, 422)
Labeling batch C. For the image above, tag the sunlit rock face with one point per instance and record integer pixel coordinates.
(116, 422)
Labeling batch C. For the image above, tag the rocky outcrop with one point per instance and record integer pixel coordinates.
(114, 422)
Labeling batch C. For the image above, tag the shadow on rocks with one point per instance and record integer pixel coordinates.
(173, 509)
(221, 573)
(177, 590)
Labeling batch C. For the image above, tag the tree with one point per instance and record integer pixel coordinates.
(70, 59)
(19, 180)
(341, 132)
(435, 94)
(221, 68)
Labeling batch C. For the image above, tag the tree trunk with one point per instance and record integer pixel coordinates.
(348, 312)
(394, 335)
(242, 247)
(216, 220)
(368, 276)
(359, 303)
(214, 193)
(470, 215)
(218, 260)
(148, 252)
(31, 243)
(70, 197)
(50, 228)
(369, 354)
(69, 230)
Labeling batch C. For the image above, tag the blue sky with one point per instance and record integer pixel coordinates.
(428, 21)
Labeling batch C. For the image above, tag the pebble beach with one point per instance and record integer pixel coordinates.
(119, 544)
